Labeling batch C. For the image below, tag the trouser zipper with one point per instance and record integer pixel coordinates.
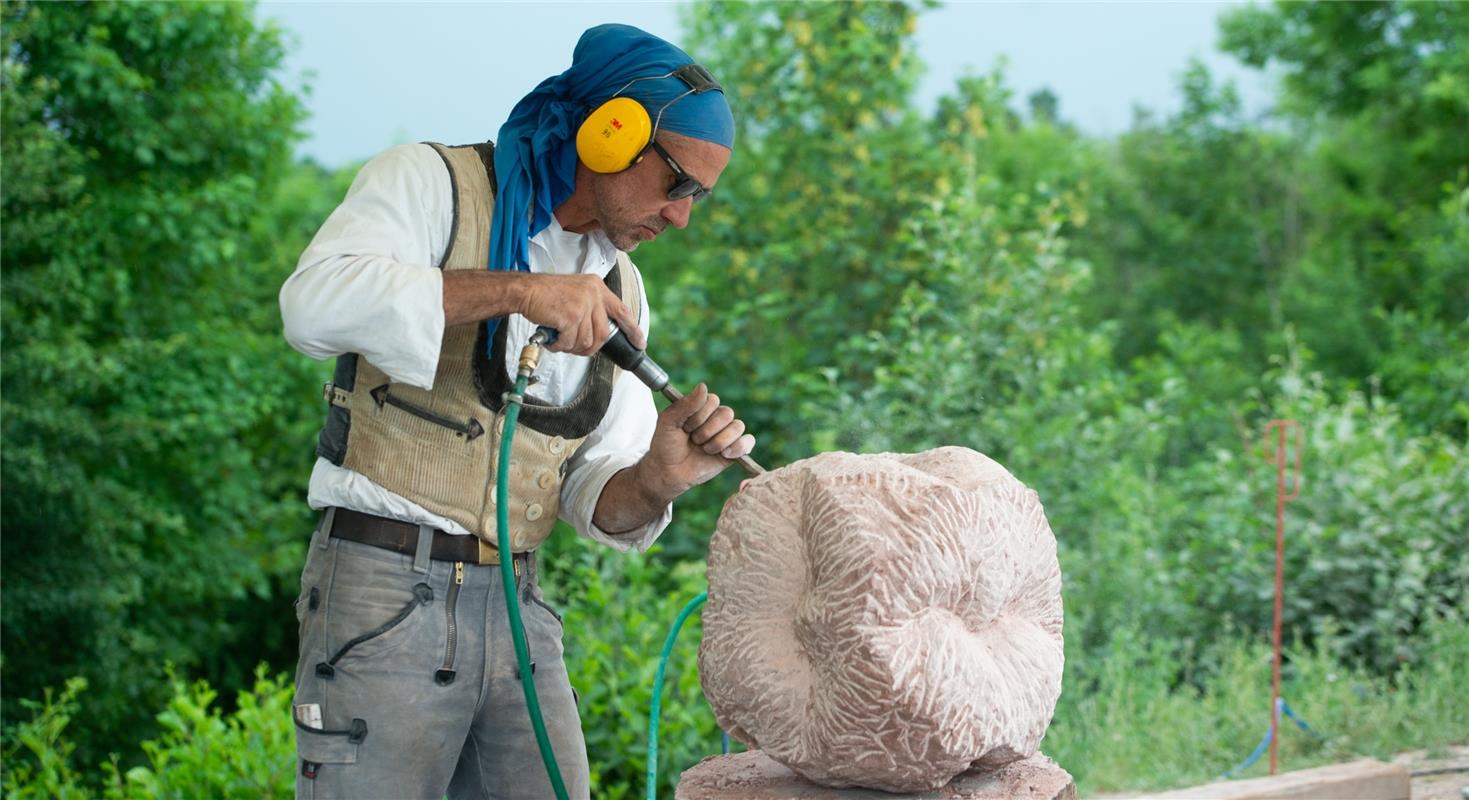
(445, 675)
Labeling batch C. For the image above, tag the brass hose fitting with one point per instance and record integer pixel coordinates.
(530, 355)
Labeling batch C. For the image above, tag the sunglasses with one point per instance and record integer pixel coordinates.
(686, 185)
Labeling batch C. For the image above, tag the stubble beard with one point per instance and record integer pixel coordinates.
(624, 234)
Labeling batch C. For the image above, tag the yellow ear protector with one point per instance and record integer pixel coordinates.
(615, 133)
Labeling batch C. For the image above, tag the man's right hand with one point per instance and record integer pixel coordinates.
(579, 308)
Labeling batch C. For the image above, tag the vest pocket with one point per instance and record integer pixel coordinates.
(470, 430)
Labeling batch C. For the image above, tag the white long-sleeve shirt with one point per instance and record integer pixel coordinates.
(368, 284)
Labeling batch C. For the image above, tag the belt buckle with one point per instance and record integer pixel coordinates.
(488, 556)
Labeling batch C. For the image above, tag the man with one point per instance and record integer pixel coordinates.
(407, 684)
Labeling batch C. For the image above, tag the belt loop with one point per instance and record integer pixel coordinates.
(525, 575)
(425, 549)
(323, 533)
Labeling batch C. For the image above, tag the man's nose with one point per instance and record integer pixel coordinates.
(677, 212)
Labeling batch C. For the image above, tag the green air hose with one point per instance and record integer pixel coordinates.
(507, 577)
(528, 359)
(517, 629)
(658, 692)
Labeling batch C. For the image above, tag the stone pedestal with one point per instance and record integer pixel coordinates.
(755, 776)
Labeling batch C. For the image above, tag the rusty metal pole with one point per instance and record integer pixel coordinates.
(1280, 427)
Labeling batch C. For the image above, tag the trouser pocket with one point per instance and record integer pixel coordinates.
(535, 598)
(318, 746)
(423, 594)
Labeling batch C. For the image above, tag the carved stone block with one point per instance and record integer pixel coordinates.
(886, 621)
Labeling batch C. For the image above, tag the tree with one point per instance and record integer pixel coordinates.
(1380, 93)
(1196, 219)
(1045, 106)
(156, 427)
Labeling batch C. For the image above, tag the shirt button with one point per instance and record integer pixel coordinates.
(500, 426)
(547, 479)
(533, 512)
(557, 445)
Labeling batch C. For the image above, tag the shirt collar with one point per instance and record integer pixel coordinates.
(590, 253)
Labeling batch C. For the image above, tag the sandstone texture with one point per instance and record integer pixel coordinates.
(884, 621)
(755, 776)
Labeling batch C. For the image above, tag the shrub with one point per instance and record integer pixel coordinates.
(248, 753)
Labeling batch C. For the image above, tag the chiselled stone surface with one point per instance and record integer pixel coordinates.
(885, 621)
(755, 776)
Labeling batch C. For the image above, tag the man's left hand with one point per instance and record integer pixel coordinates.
(695, 439)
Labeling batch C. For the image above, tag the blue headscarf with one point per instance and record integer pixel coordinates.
(535, 156)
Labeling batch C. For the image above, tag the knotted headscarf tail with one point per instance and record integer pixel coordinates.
(535, 155)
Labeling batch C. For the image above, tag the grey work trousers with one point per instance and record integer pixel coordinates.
(410, 706)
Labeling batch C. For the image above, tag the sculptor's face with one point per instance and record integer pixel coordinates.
(633, 206)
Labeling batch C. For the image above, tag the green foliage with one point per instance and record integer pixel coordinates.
(618, 611)
(1380, 92)
(1164, 508)
(1123, 721)
(154, 422)
(1196, 218)
(780, 285)
(1338, 215)
(37, 755)
(248, 753)
(1129, 724)
(1112, 320)
(1398, 70)
(1103, 321)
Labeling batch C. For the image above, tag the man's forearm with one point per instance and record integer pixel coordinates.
(473, 295)
(630, 500)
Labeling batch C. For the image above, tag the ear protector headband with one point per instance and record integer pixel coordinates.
(614, 135)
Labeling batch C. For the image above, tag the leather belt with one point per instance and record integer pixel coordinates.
(402, 537)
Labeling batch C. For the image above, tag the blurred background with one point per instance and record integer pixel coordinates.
(1102, 243)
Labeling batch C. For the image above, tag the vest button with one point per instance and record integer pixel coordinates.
(547, 479)
(533, 512)
(557, 445)
(500, 426)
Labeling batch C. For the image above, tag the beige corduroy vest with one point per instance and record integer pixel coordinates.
(440, 448)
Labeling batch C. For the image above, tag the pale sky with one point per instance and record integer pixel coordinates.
(392, 72)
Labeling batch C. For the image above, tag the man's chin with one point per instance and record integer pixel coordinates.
(626, 244)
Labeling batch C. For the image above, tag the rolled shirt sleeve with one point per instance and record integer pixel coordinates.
(617, 443)
(367, 284)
